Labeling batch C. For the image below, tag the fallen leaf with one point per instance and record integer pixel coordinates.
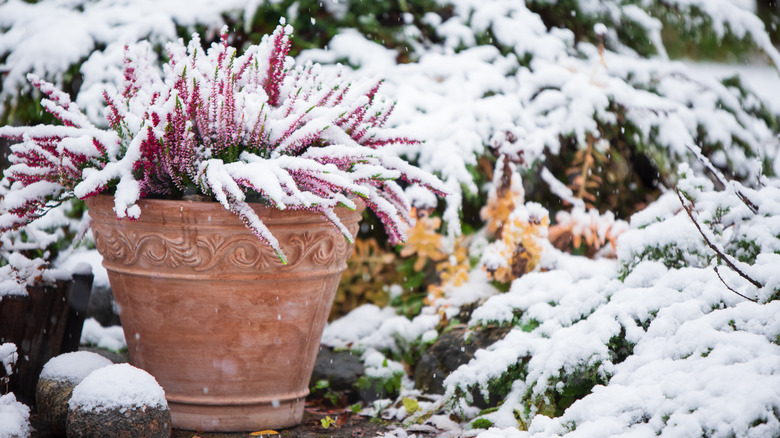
(342, 419)
(264, 432)
(327, 422)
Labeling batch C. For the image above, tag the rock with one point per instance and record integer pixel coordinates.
(340, 368)
(59, 376)
(118, 401)
(137, 422)
(113, 356)
(102, 307)
(451, 350)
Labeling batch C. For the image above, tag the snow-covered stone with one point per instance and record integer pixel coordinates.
(118, 400)
(55, 385)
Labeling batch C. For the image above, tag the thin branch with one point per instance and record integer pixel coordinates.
(722, 254)
(730, 288)
(721, 178)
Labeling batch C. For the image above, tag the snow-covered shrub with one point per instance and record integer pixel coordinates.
(57, 233)
(734, 230)
(8, 357)
(235, 128)
(14, 417)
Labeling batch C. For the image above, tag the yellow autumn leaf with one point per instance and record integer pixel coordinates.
(423, 240)
(264, 432)
(327, 422)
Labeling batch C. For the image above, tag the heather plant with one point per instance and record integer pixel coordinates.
(235, 128)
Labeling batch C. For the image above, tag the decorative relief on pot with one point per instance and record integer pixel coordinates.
(202, 253)
(237, 252)
(156, 249)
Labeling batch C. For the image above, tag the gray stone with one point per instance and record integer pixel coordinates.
(52, 402)
(341, 369)
(102, 307)
(452, 349)
(55, 385)
(137, 422)
(118, 401)
(113, 356)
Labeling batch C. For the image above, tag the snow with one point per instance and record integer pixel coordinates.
(110, 338)
(756, 77)
(21, 272)
(8, 357)
(14, 417)
(87, 259)
(117, 387)
(73, 367)
(369, 327)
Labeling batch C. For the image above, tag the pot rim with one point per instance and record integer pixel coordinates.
(101, 207)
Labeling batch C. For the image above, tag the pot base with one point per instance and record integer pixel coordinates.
(234, 418)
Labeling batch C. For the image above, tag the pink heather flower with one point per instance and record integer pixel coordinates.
(228, 125)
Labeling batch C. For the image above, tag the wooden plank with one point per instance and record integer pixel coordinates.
(41, 338)
(78, 293)
(13, 311)
(43, 324)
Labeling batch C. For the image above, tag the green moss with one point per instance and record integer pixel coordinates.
(481, 423)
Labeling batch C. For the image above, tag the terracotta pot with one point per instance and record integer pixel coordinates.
(208, 309)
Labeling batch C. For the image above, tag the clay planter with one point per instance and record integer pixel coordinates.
(208, 309)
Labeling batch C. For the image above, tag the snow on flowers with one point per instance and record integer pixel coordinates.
(238, 128)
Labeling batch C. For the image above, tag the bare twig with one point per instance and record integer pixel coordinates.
(696, 151)
(721, 253)
(730, 288)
